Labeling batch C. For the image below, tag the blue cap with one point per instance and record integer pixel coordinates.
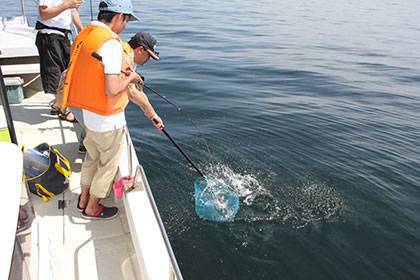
(118, 6)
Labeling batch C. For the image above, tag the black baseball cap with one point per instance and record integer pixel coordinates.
(147, 41)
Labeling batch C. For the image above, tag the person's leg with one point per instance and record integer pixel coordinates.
(109, 146)
(89, 168)
(62, 50)
(41, 42)
(53, 62)
(92, 205)
(82, 135)
(84, 197)
(79, 127)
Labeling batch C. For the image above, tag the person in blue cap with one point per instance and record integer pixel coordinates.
(100, 81)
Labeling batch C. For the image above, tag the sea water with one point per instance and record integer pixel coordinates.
(310, 109)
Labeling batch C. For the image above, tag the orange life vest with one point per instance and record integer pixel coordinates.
(84, 86)
(128, 55)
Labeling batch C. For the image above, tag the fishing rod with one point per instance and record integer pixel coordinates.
(179, 110)
(224, 201)
(99, 57)
(161, 96)
(181, 151)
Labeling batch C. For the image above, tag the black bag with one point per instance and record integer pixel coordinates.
(55, 179)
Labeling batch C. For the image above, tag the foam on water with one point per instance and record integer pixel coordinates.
(298, 204)
(246, 186)
(305, 202)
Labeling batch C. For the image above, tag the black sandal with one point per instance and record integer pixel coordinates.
(65, 117)
(54, 111)
(103, 213)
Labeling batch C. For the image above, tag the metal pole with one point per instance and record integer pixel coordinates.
(91, 11)
(22, 5)
(6, 108)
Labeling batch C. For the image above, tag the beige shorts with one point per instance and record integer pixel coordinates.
(101, 162)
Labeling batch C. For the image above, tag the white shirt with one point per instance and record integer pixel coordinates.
(112, 66)
(62, 20)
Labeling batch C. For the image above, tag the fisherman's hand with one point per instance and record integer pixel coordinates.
(157, 121)
(73, 4)
(126, 69)
(135, 78)
(141, 82)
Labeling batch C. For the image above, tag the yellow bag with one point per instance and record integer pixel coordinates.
(54, 179)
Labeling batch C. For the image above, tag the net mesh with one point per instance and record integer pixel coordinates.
(215, 201)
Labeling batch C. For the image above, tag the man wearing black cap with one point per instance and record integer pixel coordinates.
(144, 42)
(142, 46)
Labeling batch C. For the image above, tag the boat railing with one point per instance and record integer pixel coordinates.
(154, 252)
(22, 5)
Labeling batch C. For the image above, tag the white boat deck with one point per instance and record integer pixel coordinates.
(18, 53)
(17, 39)
(79, 249)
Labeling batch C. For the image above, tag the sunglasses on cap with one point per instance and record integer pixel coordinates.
(154, 54)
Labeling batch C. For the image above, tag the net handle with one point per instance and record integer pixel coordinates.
(181, 151)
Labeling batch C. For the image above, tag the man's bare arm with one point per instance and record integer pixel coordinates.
(114, 84)
(46, 12)
(140, 99)
(76, 20)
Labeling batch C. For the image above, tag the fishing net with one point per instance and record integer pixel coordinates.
(215, 201)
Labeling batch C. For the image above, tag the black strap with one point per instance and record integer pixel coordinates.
(39, 25)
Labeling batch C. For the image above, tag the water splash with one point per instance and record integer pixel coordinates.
(307, 201)
(246, 186)
(297, 205)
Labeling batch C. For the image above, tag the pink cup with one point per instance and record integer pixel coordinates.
(119, 186)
